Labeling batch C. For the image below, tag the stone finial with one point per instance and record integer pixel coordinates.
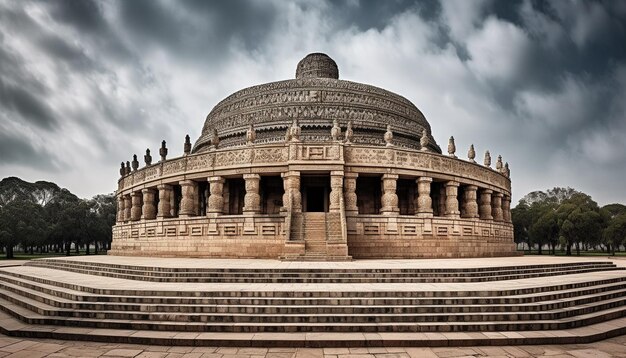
(163, 151)
(507, 171)
(122, 170)
(147, 158)
(187, 146)
(288, 134)
(424, 141)
(451, 147)
(335, 132)
(499, 164)
(388, 136)
(250, 134)
(487, 161)
(135, 163)
(127, 169)
(215, 139)
(349, 133)
(295, 131)
(471, 154)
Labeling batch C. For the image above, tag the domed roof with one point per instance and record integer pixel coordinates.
(317, 65)
(314, 99)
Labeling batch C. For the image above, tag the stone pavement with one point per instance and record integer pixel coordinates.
(34, 348)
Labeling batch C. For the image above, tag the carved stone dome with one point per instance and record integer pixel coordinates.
(317, 65)
(315, 98)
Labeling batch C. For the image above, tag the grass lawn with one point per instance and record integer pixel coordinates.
(582, 253)
(27, 256)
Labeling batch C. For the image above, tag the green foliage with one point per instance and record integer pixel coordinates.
(566, 217)
(41, 214)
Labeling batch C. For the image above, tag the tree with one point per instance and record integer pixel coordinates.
(614, 233)
(522, 220)
(579, 221)
(22, 222)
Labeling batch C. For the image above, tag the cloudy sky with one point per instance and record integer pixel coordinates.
(84, 85)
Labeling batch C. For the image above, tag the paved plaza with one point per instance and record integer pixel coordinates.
(34, 348)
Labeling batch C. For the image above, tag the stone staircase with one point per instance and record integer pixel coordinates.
(68, 299)
(322, 275)
(314, 230)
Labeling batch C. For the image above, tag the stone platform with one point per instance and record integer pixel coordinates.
(202, 302)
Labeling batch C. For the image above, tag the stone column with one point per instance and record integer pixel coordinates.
(148, 210)
(136, 202)
(349, 194)
(252, 199)
(424, 201)
(292, 197)
(496, 206)
(452, 202)
(506, 208)
(336, 191)
(390, 198)
(188, 201)
(127, 205)
(164, 207)
(485, 204)
(471, 205)
(216, 195)
(120, 209)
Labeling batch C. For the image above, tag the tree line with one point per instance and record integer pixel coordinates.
(568, 219)
(42, 218)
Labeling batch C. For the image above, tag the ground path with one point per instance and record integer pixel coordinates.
(34, 348)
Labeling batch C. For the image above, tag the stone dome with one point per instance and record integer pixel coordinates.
(315, 98)
(317, 65)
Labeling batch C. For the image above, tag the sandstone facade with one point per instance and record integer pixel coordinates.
(315, 168)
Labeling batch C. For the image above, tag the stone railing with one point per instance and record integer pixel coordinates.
(358, 158)
(407, 161)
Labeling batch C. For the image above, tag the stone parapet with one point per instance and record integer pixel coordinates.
(258, 159)
(375, 236)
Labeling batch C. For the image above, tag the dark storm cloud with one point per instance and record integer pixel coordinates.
(374, 14)
(198, 31)
(107, 78)
(30, 107)
(20, 151)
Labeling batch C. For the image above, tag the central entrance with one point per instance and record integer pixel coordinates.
(315, 192)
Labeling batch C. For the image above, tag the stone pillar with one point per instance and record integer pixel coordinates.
(120, 209)
(164, 207)
(485, 204)
(506, 208)
(188, 201)
(292, 198)
(349, 194)
(216, 195)
(136, 202)
(127, 205)
(389, 199)
(148, 210)
(252, 199)
(424, 201)
(452, 202)
(471, 205)
(496, 206)
(336, 191)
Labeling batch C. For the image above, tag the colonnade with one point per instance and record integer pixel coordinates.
(473, 202)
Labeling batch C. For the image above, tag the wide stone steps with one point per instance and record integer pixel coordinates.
(81, 297)
(604, 300)
(48, 302)
(319, 276)
(58, 299)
